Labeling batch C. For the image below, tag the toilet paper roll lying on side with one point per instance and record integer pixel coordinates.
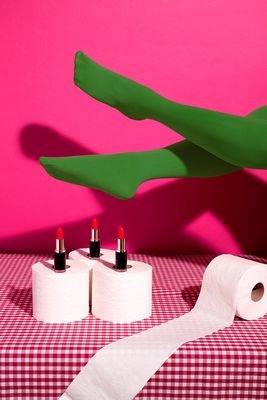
(122, 296)
(60, 297)
(231, 285)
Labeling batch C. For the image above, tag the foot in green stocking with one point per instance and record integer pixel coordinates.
(113, 174)
(127, 96)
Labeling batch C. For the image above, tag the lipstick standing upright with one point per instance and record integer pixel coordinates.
(121, 253)
(60, 252)
(94, 246)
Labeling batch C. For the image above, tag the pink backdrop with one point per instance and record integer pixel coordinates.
(205, 53)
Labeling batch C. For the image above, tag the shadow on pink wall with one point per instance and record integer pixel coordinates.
(238, 200)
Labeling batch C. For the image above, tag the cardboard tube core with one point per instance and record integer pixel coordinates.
(257, 292)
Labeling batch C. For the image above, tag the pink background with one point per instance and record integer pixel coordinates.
(205, 53)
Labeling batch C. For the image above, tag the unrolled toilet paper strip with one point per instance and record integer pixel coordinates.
(121, 369)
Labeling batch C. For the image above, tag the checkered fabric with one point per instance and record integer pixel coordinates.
(38, 361)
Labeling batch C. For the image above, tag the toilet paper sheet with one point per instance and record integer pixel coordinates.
(231, 286)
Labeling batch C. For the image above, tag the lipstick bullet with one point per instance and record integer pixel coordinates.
(94, 246)
(60, 252)
(121, 253)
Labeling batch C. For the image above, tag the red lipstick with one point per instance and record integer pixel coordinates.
(94, 245)
(121, 253)
(60, 252)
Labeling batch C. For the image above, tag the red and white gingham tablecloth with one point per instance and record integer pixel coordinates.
(38, 361)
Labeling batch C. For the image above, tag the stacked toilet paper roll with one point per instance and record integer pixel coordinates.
(231, 286)
(122, 296)
(60, 297)
(83, 254)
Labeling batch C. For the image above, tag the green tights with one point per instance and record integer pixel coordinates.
(217, 143)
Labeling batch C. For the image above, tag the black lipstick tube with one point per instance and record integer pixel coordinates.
(60, 256)
(121, 256)
(94, 245)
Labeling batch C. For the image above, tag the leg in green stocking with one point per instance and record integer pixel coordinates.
(120, 174)
(241, 141)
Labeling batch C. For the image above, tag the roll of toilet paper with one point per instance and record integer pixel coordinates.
(82, 254)
(122, 296)
(60, 297)
(231, 285)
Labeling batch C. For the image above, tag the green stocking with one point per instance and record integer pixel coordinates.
(121, 174)
(237, 140)
(221, 143)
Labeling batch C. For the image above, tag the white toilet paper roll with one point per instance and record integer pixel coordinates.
(122, 296)
(82, 254)
(60, 297)
(231, 285)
